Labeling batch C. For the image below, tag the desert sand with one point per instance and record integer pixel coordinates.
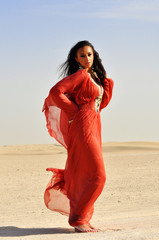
(128, 208)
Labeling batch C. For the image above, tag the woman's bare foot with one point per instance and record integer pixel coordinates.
(97, 229)
(85, 228)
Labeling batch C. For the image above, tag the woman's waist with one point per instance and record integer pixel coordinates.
(87, 106)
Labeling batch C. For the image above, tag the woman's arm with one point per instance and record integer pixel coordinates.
(66, 86)
(108, 89)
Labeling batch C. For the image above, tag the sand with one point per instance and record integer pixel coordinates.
(128, 208)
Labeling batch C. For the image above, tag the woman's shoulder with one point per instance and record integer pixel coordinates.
(80, 72)
(78, 76)
(108, 79)
(74, 79)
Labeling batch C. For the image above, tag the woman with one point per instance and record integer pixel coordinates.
(72, 111)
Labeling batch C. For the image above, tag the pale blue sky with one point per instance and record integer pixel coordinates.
(36, 36)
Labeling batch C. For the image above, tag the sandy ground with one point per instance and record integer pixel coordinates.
(128, 208)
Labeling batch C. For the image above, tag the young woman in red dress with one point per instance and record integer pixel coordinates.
(72, 111)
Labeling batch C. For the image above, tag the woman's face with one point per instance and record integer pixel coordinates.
(85, 57)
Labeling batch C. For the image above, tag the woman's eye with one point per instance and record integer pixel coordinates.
(89, 54)
(82, 56)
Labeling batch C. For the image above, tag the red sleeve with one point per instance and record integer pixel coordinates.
(66, 86)
(108, 89)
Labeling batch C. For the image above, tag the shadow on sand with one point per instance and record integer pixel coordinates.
(11, 231)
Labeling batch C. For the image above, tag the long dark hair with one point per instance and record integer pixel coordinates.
(70, 66)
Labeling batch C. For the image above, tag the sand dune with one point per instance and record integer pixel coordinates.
(58, 149)
(127, 209)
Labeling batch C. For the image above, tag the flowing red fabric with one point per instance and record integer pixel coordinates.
(73, 191)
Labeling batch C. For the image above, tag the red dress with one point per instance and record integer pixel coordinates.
(72, 191)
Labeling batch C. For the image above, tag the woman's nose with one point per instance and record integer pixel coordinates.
(87, 57)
